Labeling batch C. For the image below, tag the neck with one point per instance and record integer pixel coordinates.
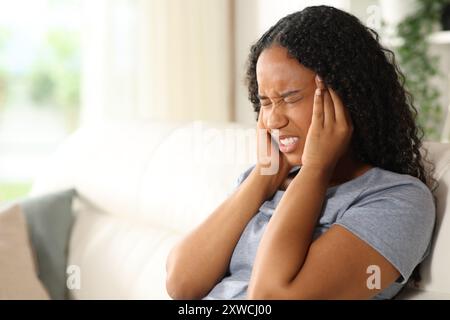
(347, 169)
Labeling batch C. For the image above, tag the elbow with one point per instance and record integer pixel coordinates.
(260, 293)
(180, 287)
(176, 286)
(281, 293)
(176, 290)
(267, 292)
(257, 296)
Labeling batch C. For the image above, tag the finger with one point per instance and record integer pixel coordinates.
(341, 113)
(270, 137)
(263, 128)
(319, 82)
(264, 146)
(260, 123)
(330, 116)
(318, 116)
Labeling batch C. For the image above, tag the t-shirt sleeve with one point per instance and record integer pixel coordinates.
(397, 221)
(242, 177)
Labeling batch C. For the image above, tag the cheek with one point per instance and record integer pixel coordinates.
(308, 109)
(302, 117)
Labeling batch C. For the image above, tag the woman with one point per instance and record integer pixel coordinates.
(348, 214)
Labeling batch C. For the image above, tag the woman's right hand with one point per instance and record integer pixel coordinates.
(272, 166)
(215, 239)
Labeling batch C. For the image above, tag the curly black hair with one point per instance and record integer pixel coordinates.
(350, 59)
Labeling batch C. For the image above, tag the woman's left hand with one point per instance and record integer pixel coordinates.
(330, 131)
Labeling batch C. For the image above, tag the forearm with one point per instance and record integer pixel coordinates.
(285, 243)
(201, 259)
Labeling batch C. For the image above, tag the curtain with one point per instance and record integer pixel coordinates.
(157, 59)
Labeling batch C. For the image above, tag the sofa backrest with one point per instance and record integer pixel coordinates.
(435, 269)
(166, 173)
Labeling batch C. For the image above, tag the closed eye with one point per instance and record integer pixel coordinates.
(293, 100)
(289, 97)
(265, 102)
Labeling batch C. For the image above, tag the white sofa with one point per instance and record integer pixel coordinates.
(142, 185)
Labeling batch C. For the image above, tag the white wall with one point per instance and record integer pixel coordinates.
(246, 33)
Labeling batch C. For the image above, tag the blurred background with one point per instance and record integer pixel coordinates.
(69, 63)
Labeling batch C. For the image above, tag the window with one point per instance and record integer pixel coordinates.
(39, 85)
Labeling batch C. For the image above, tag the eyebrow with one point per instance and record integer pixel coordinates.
(284, 95)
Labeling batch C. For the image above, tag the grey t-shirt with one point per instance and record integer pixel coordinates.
(394, 213)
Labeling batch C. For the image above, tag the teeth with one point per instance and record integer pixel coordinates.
(288, 141)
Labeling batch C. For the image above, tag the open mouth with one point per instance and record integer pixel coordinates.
(288, 143)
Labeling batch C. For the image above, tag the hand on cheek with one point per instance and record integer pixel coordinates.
(271, 163)
(330, 131)
(267, 141)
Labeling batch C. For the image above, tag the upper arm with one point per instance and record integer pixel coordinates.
(336, 267)
(390, 230)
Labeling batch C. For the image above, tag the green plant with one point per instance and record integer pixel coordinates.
(14, 190)
(419, 66)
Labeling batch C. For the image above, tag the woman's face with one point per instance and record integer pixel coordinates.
(286, 92)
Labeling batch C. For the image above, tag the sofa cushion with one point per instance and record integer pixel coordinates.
(119, 257)
(49, 219)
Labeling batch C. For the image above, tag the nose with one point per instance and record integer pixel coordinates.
(276, 119)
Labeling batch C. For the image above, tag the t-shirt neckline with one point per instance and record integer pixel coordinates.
(330, 189)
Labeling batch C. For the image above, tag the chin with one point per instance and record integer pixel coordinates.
(294, 159)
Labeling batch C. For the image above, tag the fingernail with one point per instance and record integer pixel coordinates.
(319, 78)
(318, 92)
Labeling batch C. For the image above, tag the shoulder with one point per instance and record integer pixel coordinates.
(398, 198)
(395, 190)
(395, 214)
